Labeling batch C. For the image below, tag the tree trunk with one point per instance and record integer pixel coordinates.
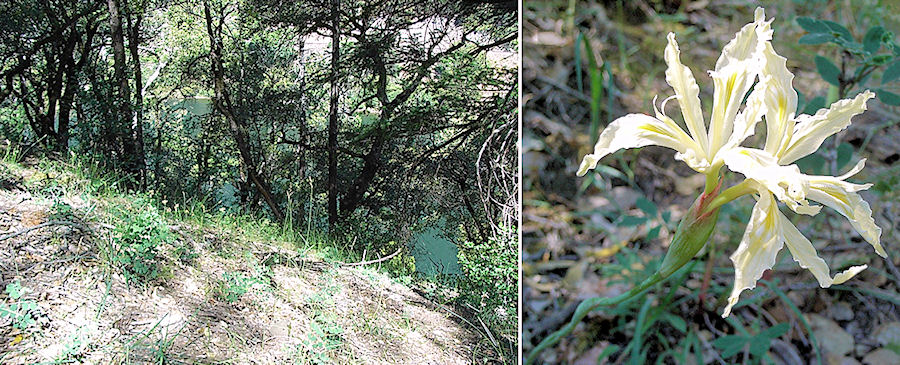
(371, 165)
(222, 103)
(133, 42)
(72, 68)
(333, 118)
(123, 113)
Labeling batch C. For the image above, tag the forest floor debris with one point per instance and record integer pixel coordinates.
(225, 301)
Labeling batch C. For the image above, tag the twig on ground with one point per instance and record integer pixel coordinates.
(375, 261)
(45, 224)
(708, 346)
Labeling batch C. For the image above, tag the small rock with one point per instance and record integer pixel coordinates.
(849, 361)
(704, 335)
(882, 357)
(830, 358)
(625, 197)
(798, 298)
(888, 333)
(589, 357)
(841, 311)
(837, 341)
(862, 349)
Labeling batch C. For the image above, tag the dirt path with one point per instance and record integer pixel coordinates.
(282, 308)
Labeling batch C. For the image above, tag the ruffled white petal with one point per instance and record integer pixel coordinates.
(745, 122)
(805, 254)
(787, 182)
(781, 101)
(811, 130)
(687, 92)
(761, 242)
(767, 232)
(638, 130)
(735, 71)
(842, 197)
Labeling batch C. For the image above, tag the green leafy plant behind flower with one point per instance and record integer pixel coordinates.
(859, 58)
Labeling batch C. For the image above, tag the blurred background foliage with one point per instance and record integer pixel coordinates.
(586, 63)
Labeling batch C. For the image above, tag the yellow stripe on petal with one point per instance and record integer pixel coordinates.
(745, 122)
(781, 101)
(831, 192)
(735, 71)
(758, 249)
(687, 92)
(636, 130)
(811, 130)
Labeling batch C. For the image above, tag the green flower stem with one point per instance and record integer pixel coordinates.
(732, 193)
(712, 178)
(587, 306)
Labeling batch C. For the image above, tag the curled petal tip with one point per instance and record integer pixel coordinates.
(848, 274)
(589, 162)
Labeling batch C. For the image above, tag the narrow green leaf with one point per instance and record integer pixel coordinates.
(881, 59)
(815, 38)
(872, 39)
(646, 206)
(891, 73)
(814, 105)
(698, 349)
(844, 154)
(578, 77)
(677, 322)
(840, 30)
(630, 221)
(812, 164)
(653, 233)
(596, 93)
(888, 97)
(636, 342)
(609, 350)
(596, 80)
(730, 344)
(812, 25)
(761, 343)
(803, 321)
(828, 70)
(775, 331)
(611, 172)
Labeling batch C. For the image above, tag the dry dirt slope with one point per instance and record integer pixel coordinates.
(296, 309)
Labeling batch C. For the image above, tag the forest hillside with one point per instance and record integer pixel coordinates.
(196, 288)
(219, 165)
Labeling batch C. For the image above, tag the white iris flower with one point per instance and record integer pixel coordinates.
(769, 171)
(736, 69)
(789, 138)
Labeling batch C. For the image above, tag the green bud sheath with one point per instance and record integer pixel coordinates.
(692, 233)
